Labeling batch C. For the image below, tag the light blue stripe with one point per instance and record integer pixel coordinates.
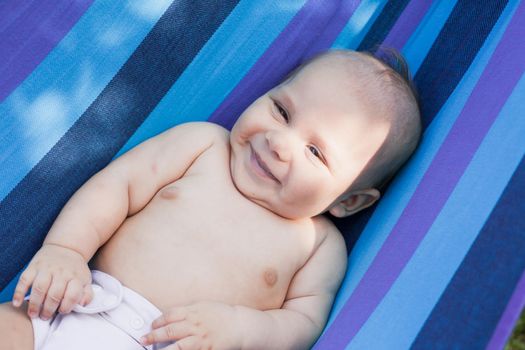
(402, 188)
(359, 24)
(422, 39)
(59, 90)
(398, 318)
(219, 66)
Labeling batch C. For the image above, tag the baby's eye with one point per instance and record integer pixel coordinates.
(282, 111)
(315, 151)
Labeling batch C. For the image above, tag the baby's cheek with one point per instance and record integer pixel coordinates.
(311, 194)
(326, 194)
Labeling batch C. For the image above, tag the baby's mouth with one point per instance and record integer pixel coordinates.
(261, 167)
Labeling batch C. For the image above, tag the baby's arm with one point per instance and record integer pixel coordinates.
(304, 313)
(58, 273)
(296, 325)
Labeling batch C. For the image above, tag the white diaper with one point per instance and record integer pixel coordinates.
(116, 318)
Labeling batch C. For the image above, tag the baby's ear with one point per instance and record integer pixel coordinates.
(353, 202)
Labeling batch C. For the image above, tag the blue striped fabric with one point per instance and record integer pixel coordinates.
(64, 84)
(104, 126)
(43, 23)
(435, 265)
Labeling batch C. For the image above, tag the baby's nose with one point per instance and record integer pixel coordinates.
(279, 145)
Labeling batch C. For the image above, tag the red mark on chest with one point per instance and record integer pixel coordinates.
(154, 168)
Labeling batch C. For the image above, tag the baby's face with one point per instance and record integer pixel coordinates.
(298, 148)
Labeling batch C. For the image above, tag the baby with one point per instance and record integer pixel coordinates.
(204, 238)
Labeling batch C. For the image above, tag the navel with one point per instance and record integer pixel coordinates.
(270, 276)
(169, 192)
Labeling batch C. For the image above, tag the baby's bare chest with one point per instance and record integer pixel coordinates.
(199, 239)
(202, 213)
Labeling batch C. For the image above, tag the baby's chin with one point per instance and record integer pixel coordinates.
(283, 210)
(272, 207)
(284, 213)
(278, 209)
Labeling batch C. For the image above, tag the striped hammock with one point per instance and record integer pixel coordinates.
(438, 264)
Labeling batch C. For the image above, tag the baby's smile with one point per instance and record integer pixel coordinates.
(260, 167)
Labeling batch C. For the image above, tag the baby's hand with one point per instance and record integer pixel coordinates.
(59, 278)
(204, 325)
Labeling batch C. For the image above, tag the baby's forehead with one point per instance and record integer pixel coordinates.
(336, 85)
(352, 73)
(350, 64)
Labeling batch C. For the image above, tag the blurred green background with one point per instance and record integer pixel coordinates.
(517, 340)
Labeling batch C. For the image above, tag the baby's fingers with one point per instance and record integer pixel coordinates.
(170, 332)
(88, 295)
(23, 285)
(53, 298)
(38, 293)
(72, 296)
(189, 343)
(173, 315)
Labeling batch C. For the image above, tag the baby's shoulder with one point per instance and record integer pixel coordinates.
(214, 141)
(201, 137)
(219, 136)
(328, 232)
(206, 130)
(325, 225)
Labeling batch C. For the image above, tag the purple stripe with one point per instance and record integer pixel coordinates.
(406, 24)
(509, 317)
(13, 8)
(29, 33)
(450, 162)
(334, 28)
(317, 24)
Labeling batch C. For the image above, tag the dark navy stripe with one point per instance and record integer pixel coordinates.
(29, 210)
(352, 227)
(453, 51)
(479, 291)
(383, 24)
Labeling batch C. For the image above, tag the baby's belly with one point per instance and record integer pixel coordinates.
(171, 265)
